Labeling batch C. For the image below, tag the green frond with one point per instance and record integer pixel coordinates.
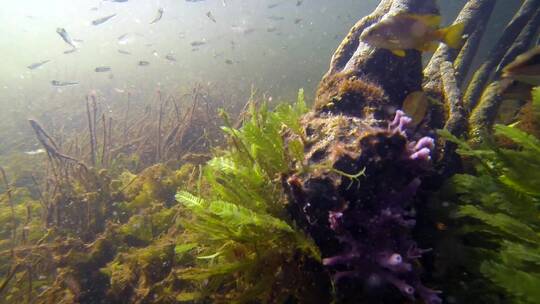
(504, 200)
(504, 223)
(238, 221)
(522, 284)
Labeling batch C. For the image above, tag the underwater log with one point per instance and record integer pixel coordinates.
(355, 59)
(363, 166)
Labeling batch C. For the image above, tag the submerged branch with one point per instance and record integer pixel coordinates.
(91, 133)
(522, 43)
(484, 114)
(457, 116)
(41, 135)
(512, 30)
(474, 15)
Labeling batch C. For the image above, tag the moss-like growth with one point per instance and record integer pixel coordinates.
(347, 93)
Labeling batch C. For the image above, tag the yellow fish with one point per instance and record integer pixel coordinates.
(416, 106)
(404, 31)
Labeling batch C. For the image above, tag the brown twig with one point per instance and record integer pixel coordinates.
(90, 132)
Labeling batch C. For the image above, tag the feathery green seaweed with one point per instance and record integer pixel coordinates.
(504, 197)
(245, 241)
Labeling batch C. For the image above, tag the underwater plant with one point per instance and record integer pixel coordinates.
(502, 198)
(247, 247)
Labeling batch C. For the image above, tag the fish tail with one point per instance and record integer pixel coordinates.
(452, 35)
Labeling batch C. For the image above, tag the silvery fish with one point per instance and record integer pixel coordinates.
(102, 69)
(65, 36)
(36, 65)
(198, 43)
(276, 18)
(57, 83)
(158, 16)
(170, 57)
(143, 63)
(70, 51)
(124, 52)
(35, 152)
(211, 17)
(102, 20)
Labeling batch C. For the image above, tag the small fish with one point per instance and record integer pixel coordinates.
(102, 19)
(299, 2)
(404, 31)
(102, 69)
(158, 17)
(271, 29)
(35, 152)
(276, 18)
(124, 52)
(242, 30)
(273, 5)
(170, 57)
(415, 106)
(65, 36)
(70, 51)
(525, 68)
(223, 3)
(515, 90)
(117, 90)
(143, 63)
(298, 20)
(228, 61)
(122, 37)
(195, 49)
(211, 17)
(57, 83)
(36, 65)
(198, 43)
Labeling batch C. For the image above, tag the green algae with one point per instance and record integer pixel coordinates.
(502, 198)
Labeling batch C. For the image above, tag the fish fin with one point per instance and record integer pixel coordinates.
(452, 35)
(430, 19)
(429, 46)
(399, 53)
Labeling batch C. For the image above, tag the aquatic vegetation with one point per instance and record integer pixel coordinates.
(248, 248)
(503, 197)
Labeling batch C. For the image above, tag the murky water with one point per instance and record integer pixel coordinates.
(120, 86)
